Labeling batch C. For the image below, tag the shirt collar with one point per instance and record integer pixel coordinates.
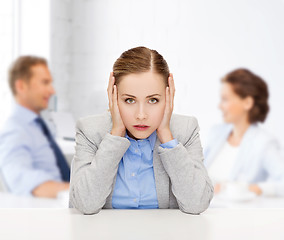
(151, 139)
(25, 114)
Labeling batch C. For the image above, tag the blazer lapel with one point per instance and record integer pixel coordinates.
(161, 178)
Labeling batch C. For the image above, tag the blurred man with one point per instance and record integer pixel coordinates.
(30, 160)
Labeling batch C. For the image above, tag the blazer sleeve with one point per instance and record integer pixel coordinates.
(273, 166)
(184, 164)
(94, 168)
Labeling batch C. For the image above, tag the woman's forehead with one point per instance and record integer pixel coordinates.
(142, 79)
(143, 84)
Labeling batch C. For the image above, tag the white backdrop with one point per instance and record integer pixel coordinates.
(201, 41)
(24, 29)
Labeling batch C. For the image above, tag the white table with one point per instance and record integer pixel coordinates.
(8, 200)
(219, 224)
(257, 202)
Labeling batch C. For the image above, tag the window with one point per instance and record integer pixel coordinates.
(24, 30)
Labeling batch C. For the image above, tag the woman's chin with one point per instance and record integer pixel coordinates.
(230, 121)
(138, 135)
(227, 120)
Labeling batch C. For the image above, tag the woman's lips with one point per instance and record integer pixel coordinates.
(141, 127)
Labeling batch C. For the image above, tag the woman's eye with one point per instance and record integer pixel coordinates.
(153, 100)
(129, 100)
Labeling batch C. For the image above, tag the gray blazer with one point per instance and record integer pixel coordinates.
(181, 178)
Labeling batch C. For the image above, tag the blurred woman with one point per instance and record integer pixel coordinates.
(240, 150)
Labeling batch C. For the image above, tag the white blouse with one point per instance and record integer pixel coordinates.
(220, 169)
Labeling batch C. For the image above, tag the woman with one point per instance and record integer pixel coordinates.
(139, 155)
(240, 150)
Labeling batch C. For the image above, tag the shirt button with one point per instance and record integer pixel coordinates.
(134, 200)
(133, 174)
(136, 150)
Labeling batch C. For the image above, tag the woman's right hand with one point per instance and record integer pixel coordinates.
(118, 128)
(217, 188)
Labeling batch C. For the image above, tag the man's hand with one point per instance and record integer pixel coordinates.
(50, 189)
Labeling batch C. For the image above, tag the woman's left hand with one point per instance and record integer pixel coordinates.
(163, 131)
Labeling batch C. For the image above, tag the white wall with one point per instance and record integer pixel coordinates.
(61, 52)
(201, 41)
(34, 27)
(6, 56)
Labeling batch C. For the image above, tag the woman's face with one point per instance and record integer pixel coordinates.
(141, 102)
(234, 108)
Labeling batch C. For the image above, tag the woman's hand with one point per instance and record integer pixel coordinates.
(217, 188)
(255, 189)
(163, 131)
(118, 128)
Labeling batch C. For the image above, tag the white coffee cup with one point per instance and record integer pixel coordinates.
(236, 189)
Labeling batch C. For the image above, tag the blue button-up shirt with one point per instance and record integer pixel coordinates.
(135, 182)
(26, 158)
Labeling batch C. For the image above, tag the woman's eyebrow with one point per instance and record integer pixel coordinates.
(156, 94)
(152, 95)
(128, 95)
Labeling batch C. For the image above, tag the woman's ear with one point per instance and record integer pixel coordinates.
(248, 103)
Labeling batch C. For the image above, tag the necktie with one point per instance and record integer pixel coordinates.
(60, 159)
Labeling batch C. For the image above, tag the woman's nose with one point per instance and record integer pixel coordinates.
(141, 114)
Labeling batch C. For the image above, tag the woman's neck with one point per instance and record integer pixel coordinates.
(238, 132)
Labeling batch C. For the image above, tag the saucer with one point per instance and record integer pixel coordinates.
(244, 197)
